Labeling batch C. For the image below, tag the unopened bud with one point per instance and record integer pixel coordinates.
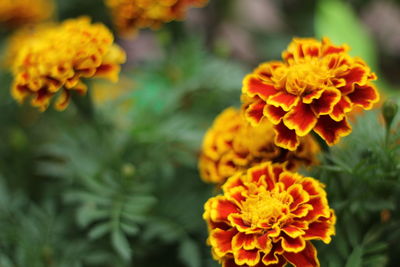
(128, 170)
(389, 111)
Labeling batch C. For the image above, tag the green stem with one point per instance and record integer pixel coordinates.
(85, 106)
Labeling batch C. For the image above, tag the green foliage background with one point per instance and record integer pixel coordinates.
(94, 187)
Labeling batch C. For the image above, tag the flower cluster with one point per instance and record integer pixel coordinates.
(53, 59)
(131, 15)
(313, 89)
(232, 145)
(16, 13)
(267, 216)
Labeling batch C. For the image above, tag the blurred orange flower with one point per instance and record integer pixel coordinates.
(233, 145)
(16, 13)
(267, 217)
(313, 88)
(131, 15)
(53, 59)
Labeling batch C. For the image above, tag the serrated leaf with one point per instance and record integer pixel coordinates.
(99, 230)
(130, 229)
(121, 244)
(88, 214)
(355, 259)
(189, 253)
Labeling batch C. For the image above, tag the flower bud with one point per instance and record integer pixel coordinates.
(389, 111)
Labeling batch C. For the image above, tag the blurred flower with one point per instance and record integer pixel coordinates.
(131, 15)
(267, 217)
(53, 59)
(233, 145)
(16, 13)
(313, 88)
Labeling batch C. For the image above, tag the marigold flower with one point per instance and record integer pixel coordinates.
(233, 145)
(16, 13)
(268, 216)
(313, 88)
(131, 15)
(53, 59)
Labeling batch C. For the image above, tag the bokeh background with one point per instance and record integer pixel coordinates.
(113, 180)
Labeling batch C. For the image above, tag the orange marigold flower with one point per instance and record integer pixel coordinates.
(52, 60)
(131, 15)
(232, 145)
(313, 88)
(16, 13)
(268, 216)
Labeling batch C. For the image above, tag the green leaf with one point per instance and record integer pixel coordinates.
(189, 253)
(355, 259)
(99, 230)
(121, 244)
(130, 229)
(336, 19)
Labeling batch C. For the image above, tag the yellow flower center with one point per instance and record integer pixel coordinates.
(264, 207)
(302, 77)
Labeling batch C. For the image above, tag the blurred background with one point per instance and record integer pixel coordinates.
(115, 183)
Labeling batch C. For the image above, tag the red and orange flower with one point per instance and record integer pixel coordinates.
(313, 88)
(17, 13)
(233, 145)
(50, 61)
(131, 15)
(268, 216)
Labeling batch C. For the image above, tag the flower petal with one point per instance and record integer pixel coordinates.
(249, 257)
(285, 137)
(364, 96)
(254, 111)
(221, 241)
(246, 241)
(293, 244)
(341, 108)
(299, 195)
(254, 86)
(221, 208)
(356, 75)
(274, 114)
(292, 231)
(321, 231)
(283, 100)
(305, 258)
(301, 119)
(309, 97)
(325, 104)
(331, 130)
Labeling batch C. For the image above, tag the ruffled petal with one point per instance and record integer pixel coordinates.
(301, 119)
(305, 258)
(285, 137)
(221, 241)
(283, 100)
(325, 104)
(245, 241)
(254, 86)
(364, 96)
(341, 108)
(249, 257)
(293, 244)
(254, 112)
(274, 114)
(331, 130)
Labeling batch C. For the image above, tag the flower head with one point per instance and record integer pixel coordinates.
(268, 216)
(313, 88)
(52, 60)
(16, 13)
(233, 145)
(131, 15)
